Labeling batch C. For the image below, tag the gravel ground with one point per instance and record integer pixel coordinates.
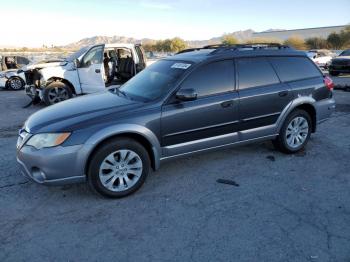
(283, 208)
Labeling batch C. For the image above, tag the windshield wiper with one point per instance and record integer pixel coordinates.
(123, 93)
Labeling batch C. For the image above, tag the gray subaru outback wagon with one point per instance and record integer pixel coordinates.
(197, 100)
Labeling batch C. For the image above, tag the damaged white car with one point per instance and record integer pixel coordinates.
(10, 76)
(89, 70)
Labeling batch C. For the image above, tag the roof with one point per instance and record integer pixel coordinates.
(119, 45)
(223, 51)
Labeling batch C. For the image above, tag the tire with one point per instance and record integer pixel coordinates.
(56, 92)
(112, 177)
(334, 73)
(15, 83)
(293, 138)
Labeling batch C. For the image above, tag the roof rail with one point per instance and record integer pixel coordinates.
(223, 47)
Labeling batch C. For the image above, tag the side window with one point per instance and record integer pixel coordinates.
(210, 79)
(94, 56)
(254, 72)
(22, 60)
(294, 68)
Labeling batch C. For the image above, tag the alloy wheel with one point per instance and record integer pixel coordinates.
(16, 84)
(120, 170)
(297, 132)
(57, 94)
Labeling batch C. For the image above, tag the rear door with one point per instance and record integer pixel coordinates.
(262, 97)
(91, 70)
(302, 76)
(207, 121)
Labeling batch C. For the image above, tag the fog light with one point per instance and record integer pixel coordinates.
(38, 175)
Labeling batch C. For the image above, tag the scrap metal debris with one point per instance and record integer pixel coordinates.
(227, 182)
(272, 158)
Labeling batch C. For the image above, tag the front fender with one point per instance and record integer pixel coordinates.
(60, 72)
(120, 129)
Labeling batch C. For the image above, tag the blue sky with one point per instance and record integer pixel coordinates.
(61, 22)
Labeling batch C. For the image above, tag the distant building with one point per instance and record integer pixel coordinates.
(323, 32)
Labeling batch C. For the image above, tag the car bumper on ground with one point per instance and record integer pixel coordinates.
(52, 166)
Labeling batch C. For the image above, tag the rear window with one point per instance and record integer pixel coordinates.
(294, 68)
(254, 72)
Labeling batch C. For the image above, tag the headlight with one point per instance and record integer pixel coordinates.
(2, 75)
(47, 140)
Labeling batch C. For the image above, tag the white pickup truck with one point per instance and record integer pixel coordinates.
(89, 70)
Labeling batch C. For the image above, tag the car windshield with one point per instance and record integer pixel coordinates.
(345, 53)
(155, 81)
(77, 54)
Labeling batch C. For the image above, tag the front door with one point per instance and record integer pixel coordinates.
(208, 121)
(91, 70)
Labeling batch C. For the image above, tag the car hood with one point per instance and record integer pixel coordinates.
(45, 64)
(81, 112)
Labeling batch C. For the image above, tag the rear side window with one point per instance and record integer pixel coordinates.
(210, 79)
(254, 72)
(294, 68)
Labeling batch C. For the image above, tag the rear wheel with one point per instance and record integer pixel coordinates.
(15, 83)
(295, 132)
(118, 168)
(56, 92)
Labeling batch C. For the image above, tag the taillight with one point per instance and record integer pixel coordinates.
(328, 83)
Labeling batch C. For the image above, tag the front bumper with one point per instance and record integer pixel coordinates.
(53, 166)
(3, 81)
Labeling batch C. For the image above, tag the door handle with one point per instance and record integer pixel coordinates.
(97, 71)
(227, 104)
(283, 93)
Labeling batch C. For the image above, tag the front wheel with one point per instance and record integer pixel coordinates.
(118, 168)
(15, 83)
(56, 92)
(295, 132)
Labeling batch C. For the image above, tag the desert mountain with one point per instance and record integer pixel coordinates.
(240, 35)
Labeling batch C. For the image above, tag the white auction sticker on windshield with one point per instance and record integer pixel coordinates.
(180, 65)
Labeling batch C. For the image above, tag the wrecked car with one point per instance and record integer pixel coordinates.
(10, 76)
(90, 69)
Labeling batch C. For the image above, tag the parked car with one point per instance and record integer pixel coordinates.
(340, 64)
(86, 71)
(10, 77)
(195, 101)
(321, 57)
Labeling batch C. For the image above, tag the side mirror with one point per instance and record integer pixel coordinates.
(186, 94)
(77, 63)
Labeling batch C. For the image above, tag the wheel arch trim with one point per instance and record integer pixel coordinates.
(301, 100)
(65, 81)
(118, 130)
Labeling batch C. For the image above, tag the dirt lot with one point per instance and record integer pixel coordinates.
(286, 207)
